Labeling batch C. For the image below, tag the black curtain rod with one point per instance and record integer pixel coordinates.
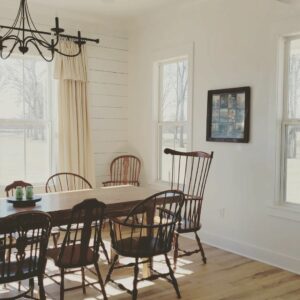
(49, 33)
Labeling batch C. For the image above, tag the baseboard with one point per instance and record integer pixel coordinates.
(263, 255)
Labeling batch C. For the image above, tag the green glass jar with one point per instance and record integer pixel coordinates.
(19, 193)
(29, 193)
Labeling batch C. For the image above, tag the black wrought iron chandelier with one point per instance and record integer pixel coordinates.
(23, 33)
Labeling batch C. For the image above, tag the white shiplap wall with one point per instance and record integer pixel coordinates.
(108, 95)
(107, 79)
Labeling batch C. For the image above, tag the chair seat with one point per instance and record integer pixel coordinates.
(72, 261)
(140, 247)
(187, 226)
(11, 273)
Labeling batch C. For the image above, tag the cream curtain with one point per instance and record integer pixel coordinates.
(74, 142)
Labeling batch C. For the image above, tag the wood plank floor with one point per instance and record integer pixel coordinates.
(225, 277)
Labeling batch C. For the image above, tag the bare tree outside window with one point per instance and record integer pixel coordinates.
(173, 111)
(25, 119)
(291, 123)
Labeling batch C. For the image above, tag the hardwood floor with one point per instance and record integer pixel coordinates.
(225, 277)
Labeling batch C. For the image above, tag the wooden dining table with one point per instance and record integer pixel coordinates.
(119, 200)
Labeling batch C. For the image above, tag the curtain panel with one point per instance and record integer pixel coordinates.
(74, 141)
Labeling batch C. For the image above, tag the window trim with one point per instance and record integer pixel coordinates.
(285, 122)
(162, 56)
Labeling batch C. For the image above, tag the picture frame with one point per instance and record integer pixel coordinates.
(228, 115)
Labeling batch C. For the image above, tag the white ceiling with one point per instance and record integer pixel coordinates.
(118, 8)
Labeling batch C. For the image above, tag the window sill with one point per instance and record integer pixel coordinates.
(287, 211)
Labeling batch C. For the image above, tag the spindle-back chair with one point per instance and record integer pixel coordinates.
(10, 189)
(124, 170)
(189, 174)
(64, 181)
(23, 245)
(80, 247)
(146, 232)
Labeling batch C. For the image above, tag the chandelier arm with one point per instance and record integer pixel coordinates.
(10, 51)
(30, 39)
(42, 54)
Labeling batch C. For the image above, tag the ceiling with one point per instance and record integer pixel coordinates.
(118, 8)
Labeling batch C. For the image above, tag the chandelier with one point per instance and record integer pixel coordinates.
(23, 33)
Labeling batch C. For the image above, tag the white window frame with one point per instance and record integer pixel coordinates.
(285, 122)
(165, 56)
(48, 123)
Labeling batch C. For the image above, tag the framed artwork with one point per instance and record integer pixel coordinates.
(228, 115)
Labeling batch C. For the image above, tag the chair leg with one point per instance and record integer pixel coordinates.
(107, 279)
(104, 250)
(31, 286)
(200, 248)
(174, 281)
(135, 280)
(55, 237)
(62, 283)
(176, 246)
(41, 287)
(83, 280)
(100, 281)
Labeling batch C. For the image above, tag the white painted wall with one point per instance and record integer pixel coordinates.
(107, 77)
(235, 44)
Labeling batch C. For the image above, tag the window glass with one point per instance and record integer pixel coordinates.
(173, 112)
(25, 120)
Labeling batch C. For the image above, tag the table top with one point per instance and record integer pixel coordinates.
(114, 197)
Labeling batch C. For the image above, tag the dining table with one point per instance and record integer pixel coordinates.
(119, 201)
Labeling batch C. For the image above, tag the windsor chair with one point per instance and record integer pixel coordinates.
(65, 181)
(146, 232)
(80, 247)
(24, 238)
(189, 174)
(124, 170)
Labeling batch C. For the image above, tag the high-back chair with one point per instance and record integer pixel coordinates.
(24, 256)
(10, 189)
(146, 232)
(64, 181)
(124, 170)
(80, 247)
(189, 174)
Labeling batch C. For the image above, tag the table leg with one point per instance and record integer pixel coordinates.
(148, 232)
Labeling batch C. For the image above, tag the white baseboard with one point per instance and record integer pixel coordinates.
(263, 255)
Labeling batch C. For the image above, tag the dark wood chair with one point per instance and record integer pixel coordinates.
(10, 189)
(124, 170)
(80, 247)
(61, 182)
(24, 256)
(146, 232)
(189, 175)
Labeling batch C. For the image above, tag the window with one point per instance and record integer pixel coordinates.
(25, 120)
(173, 112)
(291, 123)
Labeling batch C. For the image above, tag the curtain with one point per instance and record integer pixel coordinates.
(74, 141)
